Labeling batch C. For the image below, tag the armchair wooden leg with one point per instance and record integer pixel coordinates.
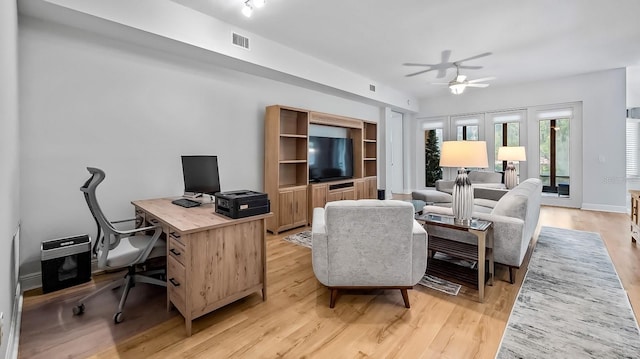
(405, 297)
(334, 296)
(512, 274)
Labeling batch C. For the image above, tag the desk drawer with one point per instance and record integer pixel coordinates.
(176, 283)
(177, 250)
(153, 221)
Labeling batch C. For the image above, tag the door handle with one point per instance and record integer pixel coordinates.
(173, 250)
(174, 282)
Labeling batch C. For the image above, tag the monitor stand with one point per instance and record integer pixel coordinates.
(200, 197)
(192, 195)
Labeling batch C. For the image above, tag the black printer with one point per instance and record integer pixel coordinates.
(243, 203)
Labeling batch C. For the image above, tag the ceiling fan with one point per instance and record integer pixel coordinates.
(460, 82)
(446, 64)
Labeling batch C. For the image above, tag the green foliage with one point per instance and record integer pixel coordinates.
(433, 171)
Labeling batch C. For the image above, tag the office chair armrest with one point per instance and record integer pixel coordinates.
(124, 220)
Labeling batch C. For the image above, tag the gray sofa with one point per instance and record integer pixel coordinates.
(441, 196)
(514, 214)
(368, 244)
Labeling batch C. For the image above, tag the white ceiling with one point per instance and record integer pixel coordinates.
(529, 40)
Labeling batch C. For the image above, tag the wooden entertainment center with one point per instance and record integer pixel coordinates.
(286, 165)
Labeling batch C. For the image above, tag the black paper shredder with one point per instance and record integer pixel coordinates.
(65, 262)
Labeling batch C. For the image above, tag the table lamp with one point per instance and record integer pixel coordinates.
(510, 154)
(463, 154)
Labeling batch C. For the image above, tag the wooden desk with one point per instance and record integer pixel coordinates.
(212, 260)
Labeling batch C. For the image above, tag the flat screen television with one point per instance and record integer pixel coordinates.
(200, 175)
(330, 158)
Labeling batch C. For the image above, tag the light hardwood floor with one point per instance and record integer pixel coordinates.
(296, 321)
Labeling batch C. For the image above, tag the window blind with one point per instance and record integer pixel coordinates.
(633, 132)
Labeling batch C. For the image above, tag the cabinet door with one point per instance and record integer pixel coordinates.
(318, 198)
(371, 190)
(349, 194)
(285, 210)
(360, 193)
(334, 196)
(300, 206)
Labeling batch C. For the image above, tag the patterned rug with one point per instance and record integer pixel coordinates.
(442, 285)
(571, 304)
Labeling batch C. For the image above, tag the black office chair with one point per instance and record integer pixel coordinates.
(117, 249)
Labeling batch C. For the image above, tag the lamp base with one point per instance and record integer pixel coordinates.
(462, 204)
(510, 176)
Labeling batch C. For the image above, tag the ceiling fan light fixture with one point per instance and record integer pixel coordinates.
(258, 3)
(247, 9)
(457, 89)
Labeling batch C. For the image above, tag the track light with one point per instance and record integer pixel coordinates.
(247, 9)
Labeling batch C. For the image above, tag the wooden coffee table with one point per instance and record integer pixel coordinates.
(480, 251)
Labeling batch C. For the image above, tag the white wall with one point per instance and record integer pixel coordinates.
(92, 101)
(603, 129)
(633, 86)
(9, 171)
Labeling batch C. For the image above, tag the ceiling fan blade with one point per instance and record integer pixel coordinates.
(413, 64)
(445, 56)
(418, 73)
(475, 57)
(442, 72)
(440, 83)
(482, 79)
(477, 85)
(470, 67)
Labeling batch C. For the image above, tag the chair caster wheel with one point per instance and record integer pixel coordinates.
(117, 318)
(78, 309)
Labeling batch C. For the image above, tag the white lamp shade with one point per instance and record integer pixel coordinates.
(516, 153)
(464, 154)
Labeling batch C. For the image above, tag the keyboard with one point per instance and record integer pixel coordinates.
(186, 203)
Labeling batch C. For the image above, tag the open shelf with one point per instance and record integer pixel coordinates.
(294, 123)
(293, 174)
(370, 131)
(293, 148)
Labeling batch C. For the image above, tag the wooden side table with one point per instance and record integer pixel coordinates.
(481, 251)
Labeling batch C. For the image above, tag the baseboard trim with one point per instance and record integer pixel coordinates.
(603, 208)
(16, 320)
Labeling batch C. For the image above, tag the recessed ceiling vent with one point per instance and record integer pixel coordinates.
(240, 40)
(372, 88)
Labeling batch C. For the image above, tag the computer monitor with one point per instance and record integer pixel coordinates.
(200, 175)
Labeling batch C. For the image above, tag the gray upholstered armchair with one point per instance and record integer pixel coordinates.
(368, 244)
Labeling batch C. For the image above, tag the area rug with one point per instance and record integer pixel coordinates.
(433, 282)
(571, 303)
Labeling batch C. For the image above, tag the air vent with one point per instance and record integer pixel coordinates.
(372, 88)
(240, 40)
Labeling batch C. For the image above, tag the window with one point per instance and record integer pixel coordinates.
(506, 133)
(554, 163)
(467, 128)
(633, 148)
(433, 137)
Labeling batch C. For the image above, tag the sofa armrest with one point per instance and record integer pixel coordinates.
(444, 186)
(419, 252)
(493, 194)
(319, 246)
(509, 244)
